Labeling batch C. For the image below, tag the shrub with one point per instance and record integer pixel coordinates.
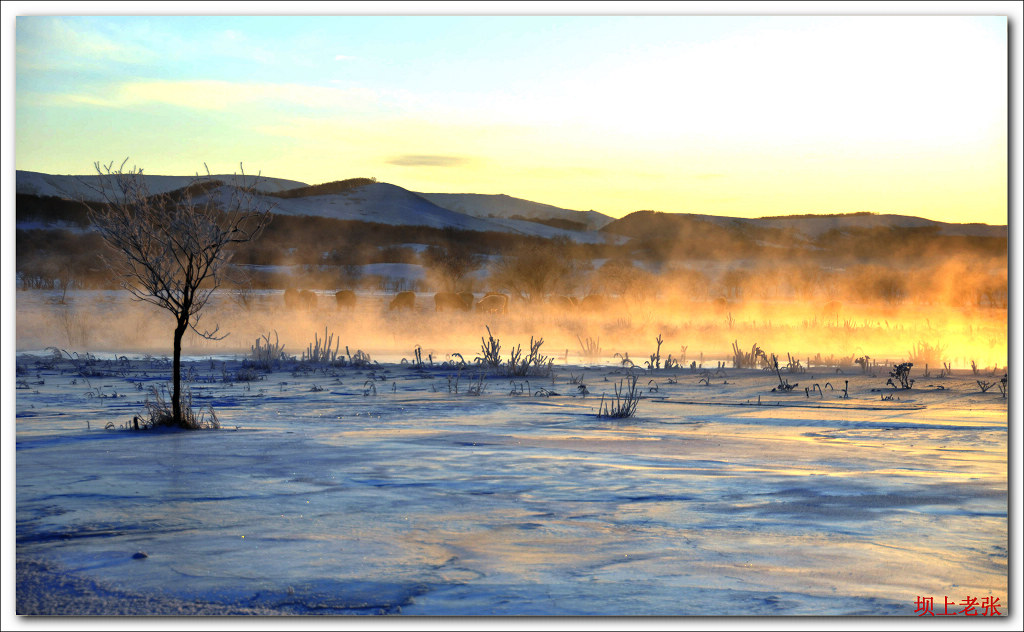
(490, 351)
(532, 271)
(901, 373)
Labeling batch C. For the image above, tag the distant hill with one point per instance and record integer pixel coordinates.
(815, 225)
(356, 199)
(329, 227)
(374, 202)
(506, 207)
(654, 224)
(366, 200)
(72, 187)
(390, 204)
(861, 236)
(327, 188)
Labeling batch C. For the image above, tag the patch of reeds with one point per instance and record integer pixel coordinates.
(655, 361)
(743, 360)
(864, 362)
(590, 347)
(359, 359)
(320, 351)
(924, 353)
(832, 360)
(794, 365)
(627, 397)
(476, 385)
(264, 355)
(532, 363)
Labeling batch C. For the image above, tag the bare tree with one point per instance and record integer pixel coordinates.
(532, 271)
(172, 247)
(450, 264)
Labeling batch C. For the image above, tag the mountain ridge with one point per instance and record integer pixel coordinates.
(659, 224)
(502, 205)
(365, 199)
(75, 187)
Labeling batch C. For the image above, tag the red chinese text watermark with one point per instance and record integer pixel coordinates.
(967, 607)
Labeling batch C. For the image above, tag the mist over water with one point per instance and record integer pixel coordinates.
(814, 331)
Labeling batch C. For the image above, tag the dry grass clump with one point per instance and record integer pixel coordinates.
(924, 353)
(327, 350)
(265, 356)
(359, 359)
(655, 362)
(985, 386)
(533, 364)
(490, 351)
(627, 396)
(476, 385)
(320, 351)
(784, 384)
(159, 414)
(655, 358)
(591, 348)
(518, 364)
(245, 373)
(742, 360)
(864, 362)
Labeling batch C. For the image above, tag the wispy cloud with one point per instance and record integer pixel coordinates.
(46, 42)
(222, 95)
(426, 160)
(343, 57)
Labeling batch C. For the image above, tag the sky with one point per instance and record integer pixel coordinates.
(737, 115)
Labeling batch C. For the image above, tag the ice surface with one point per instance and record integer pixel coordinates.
(322, 495)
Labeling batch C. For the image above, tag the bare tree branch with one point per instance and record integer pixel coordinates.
(173, 246)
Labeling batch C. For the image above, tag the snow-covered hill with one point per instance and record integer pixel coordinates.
(81, 187)
(504, 206)
(376, 202)
(390, 204)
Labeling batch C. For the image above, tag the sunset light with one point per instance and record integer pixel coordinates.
(731, 115)
(666, 310)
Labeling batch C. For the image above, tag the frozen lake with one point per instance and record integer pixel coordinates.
(433, 491)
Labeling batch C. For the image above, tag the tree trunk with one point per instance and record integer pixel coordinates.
(179, 332)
